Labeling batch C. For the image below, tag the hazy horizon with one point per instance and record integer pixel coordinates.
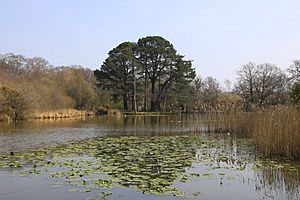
(219, 36)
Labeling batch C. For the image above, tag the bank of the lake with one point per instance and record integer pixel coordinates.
(61, 114)
(58, 114)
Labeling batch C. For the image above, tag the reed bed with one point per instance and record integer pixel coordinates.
(239, 123)
(275, 131)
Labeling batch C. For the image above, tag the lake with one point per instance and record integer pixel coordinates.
(138, 157)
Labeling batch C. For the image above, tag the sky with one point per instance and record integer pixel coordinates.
(219, 36)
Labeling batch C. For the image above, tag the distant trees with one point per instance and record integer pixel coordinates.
(211, 90)
(148, 75)
(45, 87)
(197, 86)
(79, 84)
(261, 84)
(206, 91)
(152, 64)
(20, 65)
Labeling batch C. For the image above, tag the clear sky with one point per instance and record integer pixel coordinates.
(220, 36)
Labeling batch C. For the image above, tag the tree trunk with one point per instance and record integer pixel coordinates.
(153, 100)
(145, 92)
(165, 102)
(125, 102)
(134, 103)
(155, 106)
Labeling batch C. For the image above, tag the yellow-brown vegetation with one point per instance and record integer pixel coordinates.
(58, 114)
(275, 131)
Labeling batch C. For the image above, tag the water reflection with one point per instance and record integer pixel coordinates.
(278, 183)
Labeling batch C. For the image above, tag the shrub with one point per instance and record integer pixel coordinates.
(12, 103)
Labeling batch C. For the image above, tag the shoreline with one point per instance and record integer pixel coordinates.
(59, 114)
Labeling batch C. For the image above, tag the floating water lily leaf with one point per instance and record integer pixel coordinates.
(207, 174)
(74, 190)
(195, 174)
(149, 164)
(184, 179)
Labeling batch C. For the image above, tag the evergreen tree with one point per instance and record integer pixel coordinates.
(116, 73)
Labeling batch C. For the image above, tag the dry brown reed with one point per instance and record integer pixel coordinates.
(277, 131)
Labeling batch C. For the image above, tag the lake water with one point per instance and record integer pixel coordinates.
(137, 157)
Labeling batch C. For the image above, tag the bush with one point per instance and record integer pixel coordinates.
(12, 103)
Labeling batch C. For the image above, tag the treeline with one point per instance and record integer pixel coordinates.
(257, 86)
(149, 75)
(32, 84)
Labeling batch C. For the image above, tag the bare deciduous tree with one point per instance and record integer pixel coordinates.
(261, 84)
(269, 80)
(197, 86)
(211, 90)
(14, 63)
(206, 91)
(36, 66)
(245, 81)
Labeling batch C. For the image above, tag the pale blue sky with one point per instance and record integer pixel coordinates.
(220, 36)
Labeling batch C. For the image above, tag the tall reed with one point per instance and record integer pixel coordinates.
(277, 131)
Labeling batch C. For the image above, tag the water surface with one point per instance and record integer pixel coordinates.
(137, 157)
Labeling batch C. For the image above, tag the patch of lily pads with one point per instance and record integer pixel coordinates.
(149, 164)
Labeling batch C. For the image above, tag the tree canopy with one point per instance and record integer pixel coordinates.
(152, 64)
